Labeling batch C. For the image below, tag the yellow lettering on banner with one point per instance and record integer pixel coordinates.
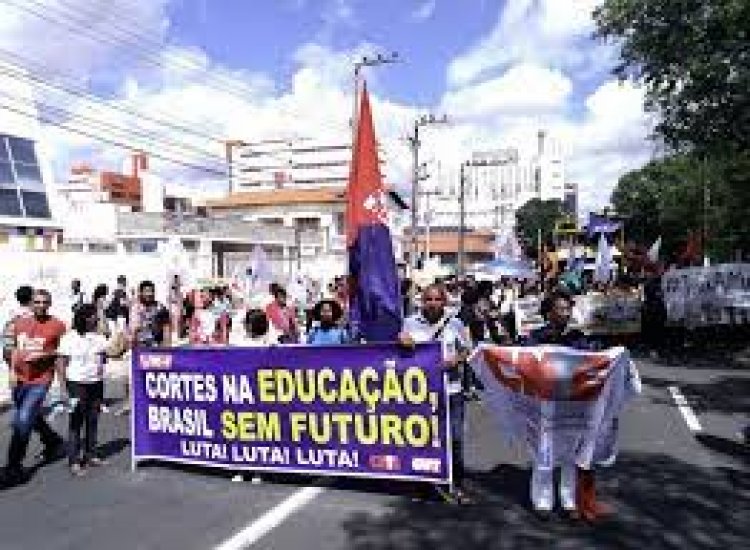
(415, 385)
(390, 426)
(348, 390)
(366, 429)
(367, 378)
(266, 386)
(320, 428)
(305, 382)
(325, 377)
(391, 387)
(298, 425)
(284, 386)
(415, 423)
(343, 421)
(228, 426)
(251, 426)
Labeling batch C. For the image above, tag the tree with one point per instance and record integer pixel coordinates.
(693, 58)
(538, 215)
(687, 193)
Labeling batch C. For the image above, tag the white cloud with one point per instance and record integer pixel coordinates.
(424, 11)
(500, 93)
(521, 89)
(543, 31)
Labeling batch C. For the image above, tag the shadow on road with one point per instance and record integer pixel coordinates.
(660, 503)
(727, 394)
(725, 446)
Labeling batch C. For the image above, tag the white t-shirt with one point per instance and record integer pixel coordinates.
(85, 356)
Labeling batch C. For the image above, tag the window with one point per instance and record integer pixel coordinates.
(22, 150)
(6, 173)
(36, 205)
(28, 175)
(20, 172)
(9, 203)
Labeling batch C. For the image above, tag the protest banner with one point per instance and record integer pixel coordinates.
(608, 314)
(363, 411)
(706, 296)
(560, 404)
(527, 312)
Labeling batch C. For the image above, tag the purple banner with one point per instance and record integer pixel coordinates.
(363, 411)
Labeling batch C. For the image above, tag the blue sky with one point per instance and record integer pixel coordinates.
(264, 35)
(500, 69)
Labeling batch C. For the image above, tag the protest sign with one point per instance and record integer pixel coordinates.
(527, 312)
(561, 404)
(363, 411)
(705, 296)
(608, 314)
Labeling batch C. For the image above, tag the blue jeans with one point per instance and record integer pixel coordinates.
(27, 417)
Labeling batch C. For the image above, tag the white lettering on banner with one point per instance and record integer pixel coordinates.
(181, 386)
(329, 458)
(174, 420)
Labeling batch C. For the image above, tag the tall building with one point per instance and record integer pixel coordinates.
(497, 183)
(26, 204)
(290, 163)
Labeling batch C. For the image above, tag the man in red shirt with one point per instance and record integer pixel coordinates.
(34, 350)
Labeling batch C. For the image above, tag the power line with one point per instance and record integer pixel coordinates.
(105, 38)
(115, 142)
(29, 67)
(137, 130)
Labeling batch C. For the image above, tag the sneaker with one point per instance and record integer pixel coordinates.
(256, 480)
(238, 478)
(77, 470)
(104, 408)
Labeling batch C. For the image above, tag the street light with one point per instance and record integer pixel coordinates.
(424, 120)
(366, 61)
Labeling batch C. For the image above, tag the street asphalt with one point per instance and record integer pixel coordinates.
(671, 487)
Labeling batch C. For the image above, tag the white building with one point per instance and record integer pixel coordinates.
(290, 163)
(497, 183)
(27, 219)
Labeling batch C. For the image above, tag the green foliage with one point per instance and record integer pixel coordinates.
(693, 56)
(667, 197)
(538, 215)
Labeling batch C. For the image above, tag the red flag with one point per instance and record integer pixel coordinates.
(374, 290)
(366, 195)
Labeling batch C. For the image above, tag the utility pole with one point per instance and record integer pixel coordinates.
(366, 61)
(461, 220)
(424, 120)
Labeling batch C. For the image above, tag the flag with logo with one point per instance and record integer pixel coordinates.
(374, 290)
(560, 404)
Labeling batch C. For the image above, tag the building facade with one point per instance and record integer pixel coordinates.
(497, 183)
(280, 163)
(26, 206)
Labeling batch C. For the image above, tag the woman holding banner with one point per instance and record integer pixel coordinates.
(577, 489)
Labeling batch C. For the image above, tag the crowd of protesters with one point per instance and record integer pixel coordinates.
(461, 314)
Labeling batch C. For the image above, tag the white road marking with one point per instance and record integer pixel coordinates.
(271, 519)
(687, 413)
